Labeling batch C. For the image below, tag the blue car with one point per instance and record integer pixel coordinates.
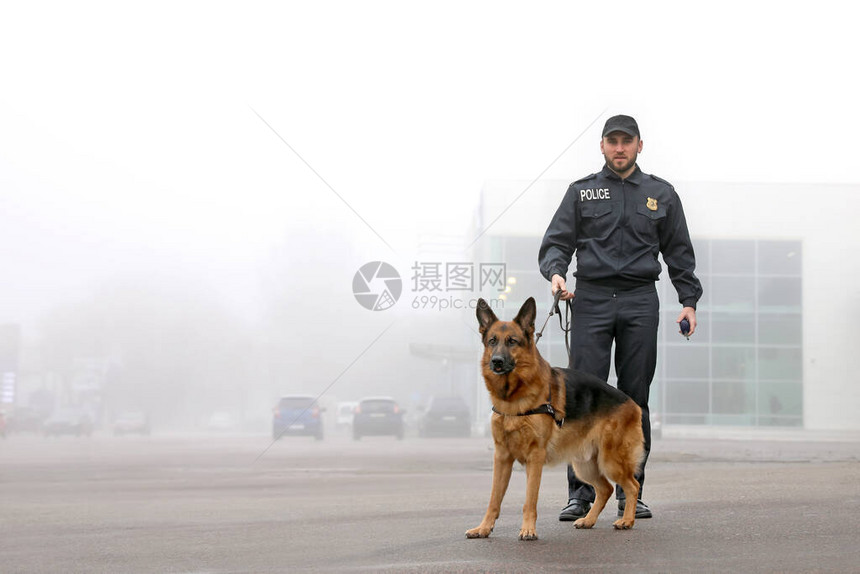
(297, 415)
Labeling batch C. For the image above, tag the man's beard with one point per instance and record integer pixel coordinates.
(630, 163)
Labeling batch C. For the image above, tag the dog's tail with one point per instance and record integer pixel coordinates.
(636, 437)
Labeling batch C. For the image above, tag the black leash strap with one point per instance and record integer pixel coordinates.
(552, 312)
(565, 326)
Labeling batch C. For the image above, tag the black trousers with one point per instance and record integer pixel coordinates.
(630, 318)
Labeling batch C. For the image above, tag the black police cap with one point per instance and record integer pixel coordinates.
(624, 124)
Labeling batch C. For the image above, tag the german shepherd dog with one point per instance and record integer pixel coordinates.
(545, 415)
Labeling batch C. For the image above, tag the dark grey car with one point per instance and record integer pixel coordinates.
(377, 416)
(446, 416)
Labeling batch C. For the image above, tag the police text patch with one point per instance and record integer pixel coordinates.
(589, 194)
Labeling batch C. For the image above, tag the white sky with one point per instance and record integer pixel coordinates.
(130, 133)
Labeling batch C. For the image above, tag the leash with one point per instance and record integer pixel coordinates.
(564, 326)
(552, 311)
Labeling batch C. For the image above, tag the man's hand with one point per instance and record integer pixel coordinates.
(558, 284)
(689, 314)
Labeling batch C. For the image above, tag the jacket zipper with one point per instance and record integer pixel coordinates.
(623, 222)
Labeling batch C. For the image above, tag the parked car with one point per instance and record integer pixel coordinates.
(446, 416)
(68, 421)
(131, 422)
(297, 415)
(377, 416)
(344, 414)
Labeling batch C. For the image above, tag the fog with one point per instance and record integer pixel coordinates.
(188, 191)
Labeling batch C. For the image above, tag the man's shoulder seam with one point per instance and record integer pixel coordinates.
(586, 178)
(661, 180)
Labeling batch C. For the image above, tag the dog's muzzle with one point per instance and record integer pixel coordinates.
(501, 366)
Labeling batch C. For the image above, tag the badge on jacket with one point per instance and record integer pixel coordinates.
(651, 204)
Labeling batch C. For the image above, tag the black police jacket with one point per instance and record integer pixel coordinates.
(617, 228)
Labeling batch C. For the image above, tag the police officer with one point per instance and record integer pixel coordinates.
(617, 221)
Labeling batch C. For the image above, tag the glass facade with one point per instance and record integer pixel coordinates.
(744, 365)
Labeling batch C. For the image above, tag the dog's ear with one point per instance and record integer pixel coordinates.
(486, 317)
(526, 317)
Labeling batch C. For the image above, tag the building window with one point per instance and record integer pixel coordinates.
(744, 366)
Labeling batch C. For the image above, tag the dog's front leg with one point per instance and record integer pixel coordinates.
(503, 464)
(534, 471)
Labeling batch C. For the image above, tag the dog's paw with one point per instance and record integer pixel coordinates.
(583, 523)
(622, 524)
(478, 532)
(528, 534)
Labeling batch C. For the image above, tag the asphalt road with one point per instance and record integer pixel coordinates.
(195, 503)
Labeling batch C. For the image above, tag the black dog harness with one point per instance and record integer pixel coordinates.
(544, 409)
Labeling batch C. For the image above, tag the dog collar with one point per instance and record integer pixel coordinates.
(544, 409)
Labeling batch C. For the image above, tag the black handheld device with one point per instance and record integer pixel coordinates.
(685, 328)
